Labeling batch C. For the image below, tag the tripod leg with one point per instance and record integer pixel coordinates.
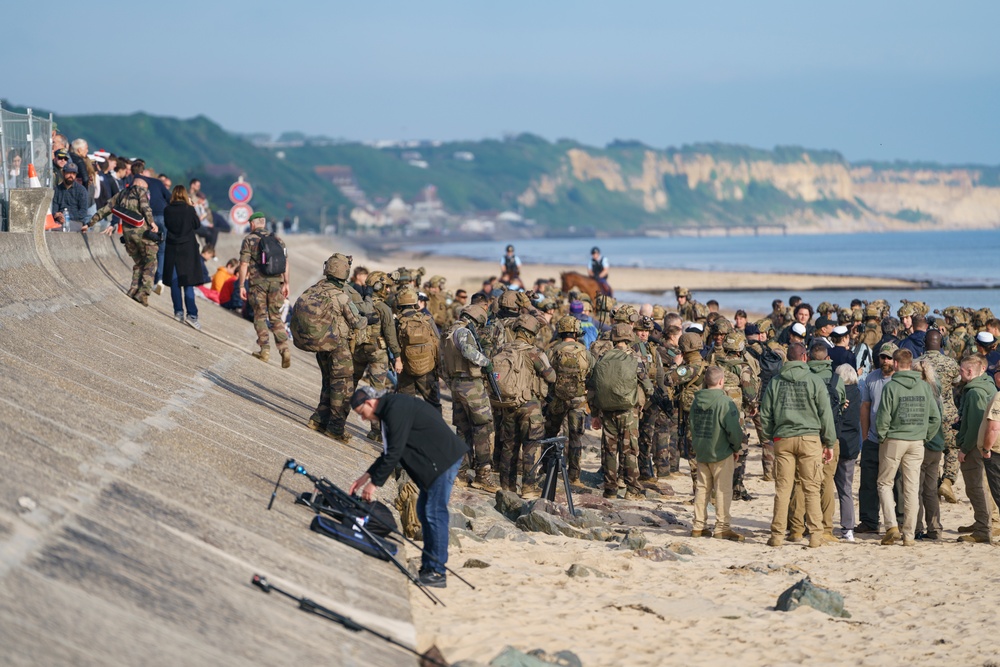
(563, 468)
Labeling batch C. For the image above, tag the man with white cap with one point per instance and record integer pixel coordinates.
(987, 344)
(841, 352)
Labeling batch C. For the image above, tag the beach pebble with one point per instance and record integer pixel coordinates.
(804, 592)
(459, 520)
(27, 503)
(634, 539)
(656, 554)
(543, 522)
(576, 571)
(476, 563)
(682, 549)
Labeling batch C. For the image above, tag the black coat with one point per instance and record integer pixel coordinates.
(181, 251)
(416, 437)
(850, 424)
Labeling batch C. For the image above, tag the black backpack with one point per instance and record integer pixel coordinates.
(272, 255)
(770, 365)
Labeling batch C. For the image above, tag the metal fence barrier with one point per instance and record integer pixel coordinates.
(25, 149)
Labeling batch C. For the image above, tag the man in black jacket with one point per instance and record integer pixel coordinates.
(415, 436)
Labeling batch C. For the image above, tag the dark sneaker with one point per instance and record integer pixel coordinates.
(863, 528)
(433, 579)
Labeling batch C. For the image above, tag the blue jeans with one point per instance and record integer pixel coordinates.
(158, 219)
(189, 302)
(432, 510)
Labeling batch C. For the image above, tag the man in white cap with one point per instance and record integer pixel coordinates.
(987, 344)
(841, 352)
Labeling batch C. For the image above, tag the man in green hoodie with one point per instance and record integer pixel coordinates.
(796, 414)
(907, 416)
(717, 438)
(979, 390)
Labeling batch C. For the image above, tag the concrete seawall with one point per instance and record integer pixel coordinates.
(139, 456)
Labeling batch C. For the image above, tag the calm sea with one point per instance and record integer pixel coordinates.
(959, 266)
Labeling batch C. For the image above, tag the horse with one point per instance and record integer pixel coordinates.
(585, 284)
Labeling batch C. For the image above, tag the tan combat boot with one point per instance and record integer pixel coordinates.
(485, 480)
(530, 492)
(730, 535)
(946, 491)
(316, 425)
(891, 536)
(701, 533)
(286, 358)
(264, 354)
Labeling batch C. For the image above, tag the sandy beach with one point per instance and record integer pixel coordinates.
(931, 604)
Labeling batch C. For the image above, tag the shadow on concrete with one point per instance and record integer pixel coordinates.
(278, 394)
(243, 392)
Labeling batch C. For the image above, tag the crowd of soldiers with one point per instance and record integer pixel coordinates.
(526, 365)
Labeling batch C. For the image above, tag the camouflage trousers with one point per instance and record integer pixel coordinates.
(143, 254)
(335, 396)
(473, 418)
(620, 443)
(766, 449)
(522, 427)
(672, 455)
(740, 469)
(654, 441)
(571, 412)
(951, 466)
(265, 302)
(371, 363)
(686, 450)
(424, 386)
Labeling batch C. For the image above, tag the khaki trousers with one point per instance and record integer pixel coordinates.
(797, 458)
(715, 480)
(929, 510)
(907, 456)
(827, 501)
(973, 473)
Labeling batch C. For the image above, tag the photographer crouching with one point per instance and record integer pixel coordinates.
(415, 436)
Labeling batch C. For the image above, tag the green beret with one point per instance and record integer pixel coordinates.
(257, 215)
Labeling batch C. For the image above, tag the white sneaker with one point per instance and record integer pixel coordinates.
(193, 323)
(179, 317)
(848, 535)
(158, 288)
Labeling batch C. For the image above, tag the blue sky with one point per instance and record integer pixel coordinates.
(875, 80)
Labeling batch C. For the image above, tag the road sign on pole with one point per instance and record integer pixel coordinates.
(240, 214)
(240, 192)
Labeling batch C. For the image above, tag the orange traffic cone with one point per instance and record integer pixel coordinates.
(50, 222)
(33, 181)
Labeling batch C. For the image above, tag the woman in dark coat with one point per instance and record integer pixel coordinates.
(181, 258)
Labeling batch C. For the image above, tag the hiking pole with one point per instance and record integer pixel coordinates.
(323, 486)
(345, 497)
(288, 464)
(305, 604)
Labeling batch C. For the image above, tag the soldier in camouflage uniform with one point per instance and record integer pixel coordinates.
(523, 424)
(743, 387)
(688, 307)
(438, 301)
(620, 436)
(959, 341)
(373, 349)
(623, 314)
(337, 365)
(140, 249)
(654, 429)
(948, 378)
(267, 294)
(462, 364)
(572, 363)
(424, 385)
(683, 382)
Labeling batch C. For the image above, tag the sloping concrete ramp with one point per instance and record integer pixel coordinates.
(138, 457)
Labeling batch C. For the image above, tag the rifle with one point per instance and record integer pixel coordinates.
(491, 379)
(683, 445)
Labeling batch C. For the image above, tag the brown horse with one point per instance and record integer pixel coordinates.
(585, 284)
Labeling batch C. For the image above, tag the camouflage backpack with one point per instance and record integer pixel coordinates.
(418, 343)
(616, 381)
(731, 384)
(571, 365)
(515, 373)
(317, 324)
(689, 377)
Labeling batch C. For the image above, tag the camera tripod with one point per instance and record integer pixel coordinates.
(554, 458)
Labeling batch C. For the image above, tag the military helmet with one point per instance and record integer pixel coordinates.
(401, 275)
(920, 308)
(476, 313)
(625, 313)
(682, 291)
(604, 303)
(437, 281)
(508, 300)
(622, 332)
(906, 310)
(526, 322)
(338, 266)
(825, 307)
(872, 312)
(845, 316)
(568, 324)
(690, 342)
(658, 312)
(644, 323)
(765, 325)
(700, 312)
(882, 307)
(721, 326)
(378, 281)
(735, 341)
(982, 316)
(406, 297)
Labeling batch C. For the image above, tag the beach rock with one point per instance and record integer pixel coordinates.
(588, 518)
(509, 504)
(758, 567)
(563, 658)
(576, 571)
(634, 539)
(498, 532)
(476, 563)
(480, 511)
(682, 549)
(458, 520)
(653, 495)
(806, 593)
(543, 522)
(657, 554)
(453, 540)
(27, 503)
(511, 657)
(600, 534)
(465, 534)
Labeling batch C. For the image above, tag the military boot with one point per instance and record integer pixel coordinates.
(891, 536)
(946, 491)
(286, 358)
(740, 493)
(375, 435)
(316, 424)
(730, 535)
(344, 436)
(264, 354)
(142, 299)
(485, 480)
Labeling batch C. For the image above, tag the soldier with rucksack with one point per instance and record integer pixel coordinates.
(572, 364)
(263, 261)
(683, 382)
(654, 427)
(523, 374)
(740, 384)
(419, 343)
(373, 349)
(617, 389)
(463, 363)
(324, 321)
